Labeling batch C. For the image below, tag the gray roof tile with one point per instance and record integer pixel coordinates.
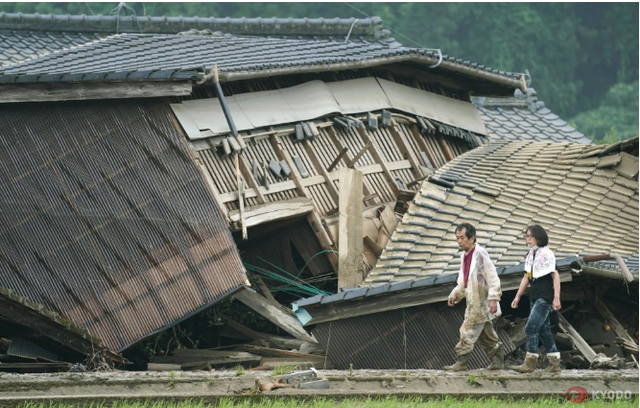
(562, 200)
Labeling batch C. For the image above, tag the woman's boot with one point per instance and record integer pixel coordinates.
(461, 363)
(554, 363)
(530, 361)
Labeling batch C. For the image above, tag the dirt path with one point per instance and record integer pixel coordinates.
(81, 387)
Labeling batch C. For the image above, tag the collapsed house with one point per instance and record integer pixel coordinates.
(585, 196)
(150, 176)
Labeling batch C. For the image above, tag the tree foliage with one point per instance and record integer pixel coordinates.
(574, 52)
(615, 119)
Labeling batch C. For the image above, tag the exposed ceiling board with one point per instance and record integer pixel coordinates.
(315, 99)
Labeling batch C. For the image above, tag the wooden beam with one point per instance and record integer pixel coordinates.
(406, 152)
(273, 313)
(448, 155)
(325, 240)
(337, 160)
(423, 145)
(71, 91)
(357, 157)
(248, 177)
(611, 320)
(331, 188)
(284, 155)
(375, 152)
(576, 339)
(350, 229)
(281, 210)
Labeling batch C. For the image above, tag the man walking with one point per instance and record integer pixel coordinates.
(478, 282)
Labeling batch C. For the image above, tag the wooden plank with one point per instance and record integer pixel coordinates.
(70, 91)
(320, 169)
(407, 153)
(611, 320)
(324, 239)
(337, 160)
(448, 155)
(248, 177)
(284, 155)
(249, 193)
(422, 145)
(357, 157)
(163, 367)
(282, 210)
(378, 157)
(576, 339)
(273, 313)
(350, 229)
(266, 351)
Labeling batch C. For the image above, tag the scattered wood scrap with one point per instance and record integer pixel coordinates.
(194, 359)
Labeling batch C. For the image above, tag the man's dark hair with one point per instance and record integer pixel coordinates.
(470, 230)
(542, 239)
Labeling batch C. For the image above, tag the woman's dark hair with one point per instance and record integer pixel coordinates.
(470, 230)
(542, 239)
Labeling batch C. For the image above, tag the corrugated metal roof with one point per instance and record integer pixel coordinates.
(504, 187)
(106, 220)
(412, 338)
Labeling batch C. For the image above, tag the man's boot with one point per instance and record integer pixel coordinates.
(497, 361)
(530, 361)
(554, 363)
(461, 363)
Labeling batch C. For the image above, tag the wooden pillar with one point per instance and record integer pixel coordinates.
(350, 229)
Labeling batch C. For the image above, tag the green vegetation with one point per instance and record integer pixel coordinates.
(389, 402)
(284, 369)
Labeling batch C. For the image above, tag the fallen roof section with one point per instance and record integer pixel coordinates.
(572, 190)
(106, 220)
(50, 326)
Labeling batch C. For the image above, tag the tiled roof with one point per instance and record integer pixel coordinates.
(123, 54)
(524, 117)
(24, 36)
(396, 287)
(585, 196)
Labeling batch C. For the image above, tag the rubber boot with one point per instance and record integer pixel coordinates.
(497, 361)
(530, 361)
(461, 363)
(554, 363)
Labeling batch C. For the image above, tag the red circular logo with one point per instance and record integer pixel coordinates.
(577, 394)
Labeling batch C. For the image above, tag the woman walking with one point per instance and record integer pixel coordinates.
(541, 274)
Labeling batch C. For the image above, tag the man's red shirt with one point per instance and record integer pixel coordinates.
(466, 264)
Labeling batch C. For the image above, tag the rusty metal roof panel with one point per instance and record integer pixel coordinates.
(106, 220)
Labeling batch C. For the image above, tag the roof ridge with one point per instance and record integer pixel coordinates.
(371, 27)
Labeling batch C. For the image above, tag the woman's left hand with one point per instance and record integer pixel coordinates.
(556, 304)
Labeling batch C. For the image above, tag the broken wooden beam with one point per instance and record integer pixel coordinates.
(337, 159)
(274, 313)
(350, 229)
(615, 325)
(576, 339)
